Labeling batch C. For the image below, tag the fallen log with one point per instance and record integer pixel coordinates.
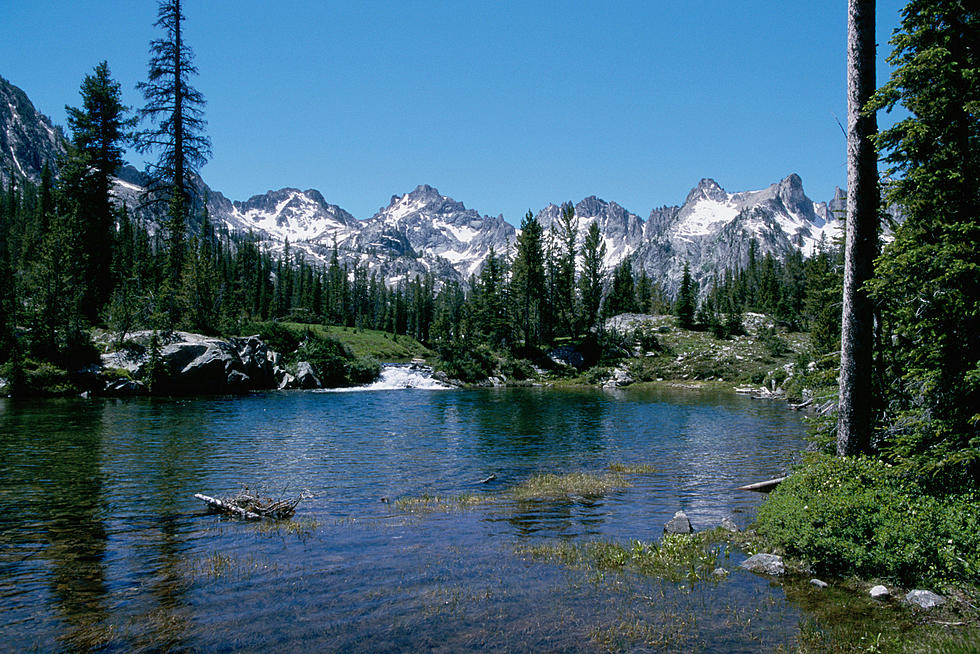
(226, 507)
(763, 486)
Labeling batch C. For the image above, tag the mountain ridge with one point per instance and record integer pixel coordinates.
(425, 232)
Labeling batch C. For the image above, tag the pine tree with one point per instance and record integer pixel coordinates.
(687, 297)
(8, 302)
(175, 111)
(622, 293)
(528, 280)
(928, 278)
(566, 232)
(590, 282)
(100, 131)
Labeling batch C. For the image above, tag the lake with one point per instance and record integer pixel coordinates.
(104, 547)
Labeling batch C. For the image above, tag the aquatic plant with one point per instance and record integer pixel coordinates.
(632, 469)
(676, 558)
(434, 503)
(575, 484)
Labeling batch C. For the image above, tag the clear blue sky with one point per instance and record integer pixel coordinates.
(505, 106)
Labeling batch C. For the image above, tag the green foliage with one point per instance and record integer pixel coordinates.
(590, 281)
(687, 297)
(331, 360)
(364, 370)
(43, 378)
(774, 344)
(622, 292)
(862, 516)
(527, 284)
(467, 362)
(928, 277)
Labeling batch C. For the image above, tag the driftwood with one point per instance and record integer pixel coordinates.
(489, 479)
(219, 505)
(252, 507)
(763, 486)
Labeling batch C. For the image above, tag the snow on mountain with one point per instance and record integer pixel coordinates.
(425, 232)
(709, 208)
(292, 214)
(429, 225)
(713, 229)
(28, 139)
(621, 230)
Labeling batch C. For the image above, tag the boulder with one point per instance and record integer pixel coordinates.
(567, 355)
(679, 524)
(124, 388)
(880, 592)
(769, 564)
(618, 377)
(194, 363)
(257, 364)
(729, 525)
(305, 376)
(924, 599)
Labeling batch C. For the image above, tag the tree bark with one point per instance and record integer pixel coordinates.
(857, 320)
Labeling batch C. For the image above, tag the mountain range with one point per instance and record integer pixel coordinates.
(424, 231)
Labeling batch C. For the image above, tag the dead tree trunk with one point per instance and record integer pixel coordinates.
(857, 320)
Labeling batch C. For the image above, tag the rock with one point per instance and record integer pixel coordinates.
(729, 525)
(305, 376)
(924, 599)
(124, 388)
(568, 356)
(679, 524)
(618, 377)
(880, 592)
(769, 564)
(257, 364)
(720, 572)
(818, 583)
(194, 363)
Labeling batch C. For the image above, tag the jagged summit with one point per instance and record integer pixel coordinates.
(28, 138)
(425, 232)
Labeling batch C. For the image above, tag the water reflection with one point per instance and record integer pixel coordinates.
(535, 424)
(102, 545)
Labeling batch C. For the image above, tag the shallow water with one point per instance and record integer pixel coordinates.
(104, 547)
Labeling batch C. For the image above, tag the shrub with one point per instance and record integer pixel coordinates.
(364, 370)
(329, 357)
(864, 517)
(44, 378)
(467, 362)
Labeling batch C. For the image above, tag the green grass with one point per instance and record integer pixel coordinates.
(441, 503)
(378, 345)
(678, 557)
(632, 469)
(561, 487)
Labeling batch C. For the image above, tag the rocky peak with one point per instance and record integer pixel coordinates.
(790, 192)
(28, 139)
(708, 189)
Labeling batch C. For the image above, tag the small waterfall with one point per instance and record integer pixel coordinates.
(399, 376)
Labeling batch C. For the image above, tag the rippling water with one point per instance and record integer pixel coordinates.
(104, 547)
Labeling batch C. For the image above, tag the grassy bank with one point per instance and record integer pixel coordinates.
(371, 343)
